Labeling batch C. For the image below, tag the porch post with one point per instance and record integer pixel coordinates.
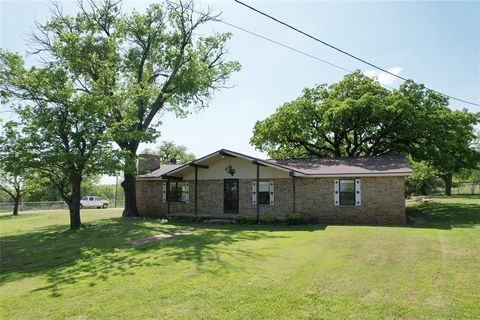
(168, 196)
(257, 191)
(196, 189)
(293, 189)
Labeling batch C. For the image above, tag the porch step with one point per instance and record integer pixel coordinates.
(218, 221)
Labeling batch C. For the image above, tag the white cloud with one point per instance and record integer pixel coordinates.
(383, 77)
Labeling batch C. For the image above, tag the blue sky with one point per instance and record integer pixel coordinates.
(435, 43)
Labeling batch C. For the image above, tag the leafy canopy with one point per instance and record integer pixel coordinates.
(139, 63)
(357, 117)
(168, 150)
(61, 132)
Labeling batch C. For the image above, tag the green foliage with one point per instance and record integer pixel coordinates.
(61, 133)
(140, 63)
(137, 66)
(268, 219)
(471, 176)
(245, 219)
(45, 192)
(92, 188)
(17, 180)
(168, 150)
(106, 76)
(449, 146)
(424, 179)
(354, 117)
(357, 117)
(292, 218)
(252, 219)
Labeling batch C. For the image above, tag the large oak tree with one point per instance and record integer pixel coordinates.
(148, 63)
(358, 117)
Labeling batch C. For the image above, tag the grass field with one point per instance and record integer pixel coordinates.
(430, 270)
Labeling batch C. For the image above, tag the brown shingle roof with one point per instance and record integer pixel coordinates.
(353, 166)
(348, 166)
(164, 168)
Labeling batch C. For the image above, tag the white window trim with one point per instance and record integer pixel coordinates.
(336, 192)
(164, 193)
(271, 193)
(358, 192)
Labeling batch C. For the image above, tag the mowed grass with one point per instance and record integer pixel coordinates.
(427, 271)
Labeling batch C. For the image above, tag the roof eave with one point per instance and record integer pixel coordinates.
(376, 174)
(239, 155)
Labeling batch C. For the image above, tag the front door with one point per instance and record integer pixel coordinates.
(230, 195)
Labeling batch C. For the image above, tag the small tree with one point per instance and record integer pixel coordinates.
(449, 145)
(16, 187)
(62, 133)
(423, 180)
(16, 179)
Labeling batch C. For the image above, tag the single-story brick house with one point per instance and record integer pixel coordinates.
(227, 183)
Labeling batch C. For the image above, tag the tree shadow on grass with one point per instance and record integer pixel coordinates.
(444, 215)
(99, 251)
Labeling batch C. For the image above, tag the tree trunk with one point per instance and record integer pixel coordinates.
(74, 205)
(422, 190)
(447, 178)
(129, 176)
(16, 203)
(129, 190)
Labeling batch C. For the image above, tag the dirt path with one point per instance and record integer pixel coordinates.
(162, 236)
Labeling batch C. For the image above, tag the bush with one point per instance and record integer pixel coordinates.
(292, 218)
(268, 219)
(245, 219)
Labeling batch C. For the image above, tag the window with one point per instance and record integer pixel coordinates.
(264, 192)
(347, 192)
(178, 191)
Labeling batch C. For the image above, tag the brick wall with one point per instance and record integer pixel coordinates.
(383, 200)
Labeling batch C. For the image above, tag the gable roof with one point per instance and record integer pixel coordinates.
(395, 165)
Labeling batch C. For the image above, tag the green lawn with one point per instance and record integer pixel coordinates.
(430, 270)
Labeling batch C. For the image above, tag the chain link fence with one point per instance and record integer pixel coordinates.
(6, 207)
(465, 188)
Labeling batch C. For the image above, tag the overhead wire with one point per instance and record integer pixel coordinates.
(347, 53)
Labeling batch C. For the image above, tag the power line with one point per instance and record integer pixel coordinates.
(285, 46)
(345, 52)
(292, 48)
(281, 44)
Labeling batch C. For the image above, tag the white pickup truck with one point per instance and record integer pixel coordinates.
(93, 202)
